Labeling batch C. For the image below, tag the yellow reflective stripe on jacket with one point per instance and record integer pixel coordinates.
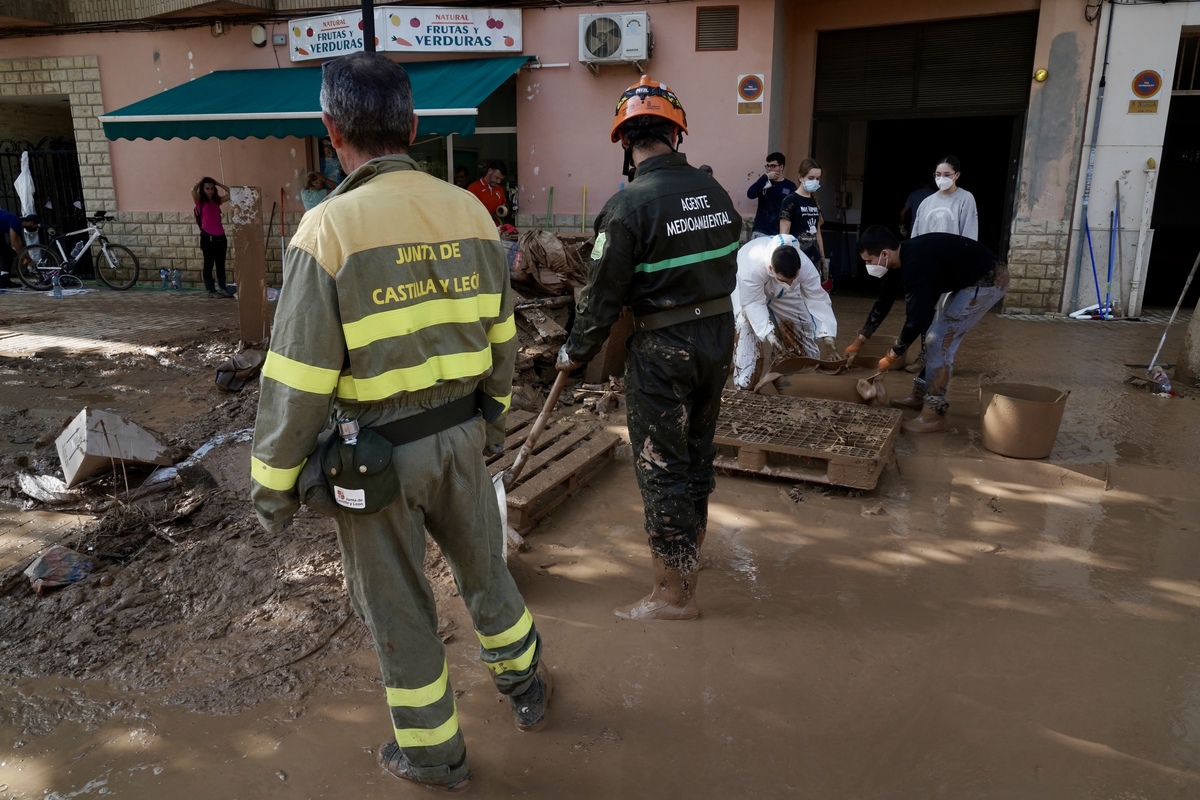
(424, 696)
(511, 636)
(518, 664)
(403, 321)
(428, 737)
(501, 332)
(415, 378)
(300, 376)
(505, 401)
(281, 480)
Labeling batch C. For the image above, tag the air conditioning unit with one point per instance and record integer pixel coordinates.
(616, 38)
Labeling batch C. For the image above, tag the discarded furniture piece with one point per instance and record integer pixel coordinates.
(567, 455)
(95, 441)
(822, 441)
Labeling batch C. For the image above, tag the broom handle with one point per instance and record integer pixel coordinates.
(510, 477)
(1163, 340)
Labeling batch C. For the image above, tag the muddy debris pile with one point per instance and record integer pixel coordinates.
(545, 272)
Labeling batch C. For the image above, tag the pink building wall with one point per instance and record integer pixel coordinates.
(158, 175)
(564, 115)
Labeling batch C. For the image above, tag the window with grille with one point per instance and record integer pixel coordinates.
(1187, 65)
(717, 28)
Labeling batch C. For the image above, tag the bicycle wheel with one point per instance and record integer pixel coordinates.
(118, 266)
(35, 266)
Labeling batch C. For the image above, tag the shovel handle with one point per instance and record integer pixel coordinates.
(513, 472)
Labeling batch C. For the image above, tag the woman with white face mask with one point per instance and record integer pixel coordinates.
(950, 209)
(800, 215)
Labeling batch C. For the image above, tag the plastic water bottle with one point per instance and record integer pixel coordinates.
(76, 250)
(57, 287)
(164, 276)
(176, 279)
(1161, 383)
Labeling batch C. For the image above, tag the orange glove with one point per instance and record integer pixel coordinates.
(851, 352)
(886, 362)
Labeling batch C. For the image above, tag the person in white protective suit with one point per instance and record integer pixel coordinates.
(776, 282)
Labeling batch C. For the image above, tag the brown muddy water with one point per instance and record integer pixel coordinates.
(976, 627)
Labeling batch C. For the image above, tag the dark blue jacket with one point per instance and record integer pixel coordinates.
(769, 204)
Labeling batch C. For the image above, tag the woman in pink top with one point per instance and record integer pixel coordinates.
(213, 243)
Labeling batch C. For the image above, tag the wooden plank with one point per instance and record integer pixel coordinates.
(512, 444)
(528, 491)
(544, 459)
(523, 518)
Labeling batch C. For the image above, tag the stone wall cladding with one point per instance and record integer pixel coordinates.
(1037, 257)
(171, 240)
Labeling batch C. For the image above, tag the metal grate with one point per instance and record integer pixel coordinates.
(717, 28)
(820, 428)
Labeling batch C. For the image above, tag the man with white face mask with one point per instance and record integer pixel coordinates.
(923, 268)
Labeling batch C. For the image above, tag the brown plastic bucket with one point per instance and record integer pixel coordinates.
(1021, 420)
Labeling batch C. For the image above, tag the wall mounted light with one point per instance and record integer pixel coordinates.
(258, 35)
(1041, 75)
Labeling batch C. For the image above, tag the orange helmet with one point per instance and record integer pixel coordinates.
(648, 98)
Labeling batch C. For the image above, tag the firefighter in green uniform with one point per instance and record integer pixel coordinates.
(396, 318)
(666, 246)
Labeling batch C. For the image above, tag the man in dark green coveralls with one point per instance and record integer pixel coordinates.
(666, 246)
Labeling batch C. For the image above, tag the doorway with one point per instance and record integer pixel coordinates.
(1176, 208)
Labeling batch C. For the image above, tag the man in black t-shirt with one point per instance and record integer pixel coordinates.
(924, 268)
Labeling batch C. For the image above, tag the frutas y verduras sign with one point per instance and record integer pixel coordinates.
(408, 29)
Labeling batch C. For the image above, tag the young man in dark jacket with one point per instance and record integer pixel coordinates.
(770, 190)
(923, 268)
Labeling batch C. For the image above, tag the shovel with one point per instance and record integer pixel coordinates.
(872, 388)
(504, 479)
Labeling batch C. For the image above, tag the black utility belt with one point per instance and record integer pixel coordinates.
(439, 419)
(688, 313)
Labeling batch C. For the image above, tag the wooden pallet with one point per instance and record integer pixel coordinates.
(567, 455)
(822, 441)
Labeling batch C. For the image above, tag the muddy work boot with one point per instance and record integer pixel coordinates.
(392, 759)
(917, 363)
(673, 595)
(929, 421)
(529, 707)
(914, 402)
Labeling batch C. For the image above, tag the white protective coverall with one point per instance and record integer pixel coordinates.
(760, 299)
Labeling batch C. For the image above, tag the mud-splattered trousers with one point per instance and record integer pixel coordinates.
(445, 489)
(673, 382)
(962, 312)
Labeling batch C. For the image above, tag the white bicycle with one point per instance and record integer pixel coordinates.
(39, 264)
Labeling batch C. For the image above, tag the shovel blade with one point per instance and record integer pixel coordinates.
(502, 500)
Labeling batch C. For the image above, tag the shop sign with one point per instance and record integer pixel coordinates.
(750, 90)
(327, 36)
(1143, 92)
(408, 29)
(451, 30)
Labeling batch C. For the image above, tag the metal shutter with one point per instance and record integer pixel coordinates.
(981, 64)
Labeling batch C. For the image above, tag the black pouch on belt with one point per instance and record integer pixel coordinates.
(359, 477)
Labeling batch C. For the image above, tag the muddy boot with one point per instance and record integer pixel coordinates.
(673, 596)
(529, 707)
(914, 402)
(929, 421)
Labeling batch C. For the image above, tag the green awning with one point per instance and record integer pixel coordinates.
(262, 103)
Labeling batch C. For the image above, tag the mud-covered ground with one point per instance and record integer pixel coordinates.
(975, 627)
